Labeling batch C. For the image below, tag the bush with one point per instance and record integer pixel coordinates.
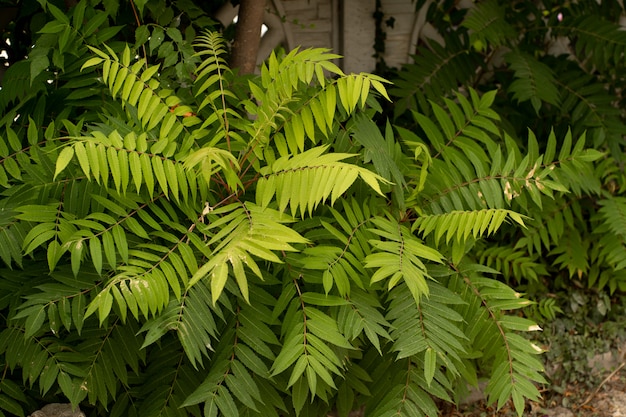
(557, 69)
(181, 240)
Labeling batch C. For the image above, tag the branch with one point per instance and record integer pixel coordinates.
(247, 35)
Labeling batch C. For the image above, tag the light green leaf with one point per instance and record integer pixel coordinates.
(119, 237)
(218, 280)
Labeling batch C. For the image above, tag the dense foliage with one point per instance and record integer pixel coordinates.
(558, 67)
(180, 240)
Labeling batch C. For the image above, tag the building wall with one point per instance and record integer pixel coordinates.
(347, 27)
(311, 22)
(357, 32)
(401, 39)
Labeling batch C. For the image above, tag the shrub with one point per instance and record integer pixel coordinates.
(557, 69)
(194, 242)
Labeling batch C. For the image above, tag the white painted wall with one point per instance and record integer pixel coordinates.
(357, 37)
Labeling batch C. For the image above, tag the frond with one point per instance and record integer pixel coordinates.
(213, 84)
(576, 170)
(408, 385)
(313, 347)
(514, 368)
(613, 210)
(130, 163)
(385, 154)
(282, 113)
(534, 80)
(13, 399)
(607, 259)
(241, 233)
(340, 248)
(192, 317)
(211, 72)
(241, 357)
(545, 310)
(17, 85)
(102, 357)
(437, 71)
(363, 316)
(609, 252)
(282, 77)
(513, 263)
(471, 171)
(12, 234)
(310, 178)
(598, 41)
(164, 383)
(110, 352)
(587, 105)
(143, 285)
(57, 305)
(406, 395)
(42, 367)
(213, 162)
(397, 257)
(610, 249)
(137, 87)
(488, 25)
(277, 106)
(460, 225)
(430, 329)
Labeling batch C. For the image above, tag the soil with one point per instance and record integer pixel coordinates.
(608, 399)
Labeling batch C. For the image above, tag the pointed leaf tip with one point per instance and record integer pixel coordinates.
(63, 160)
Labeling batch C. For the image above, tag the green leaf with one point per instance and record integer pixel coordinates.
(58, 14)
(95, 249)
(239, 390)
(299, 393)
(119, 237)
(156, 38)
(225, 402)
(94, 23)
(430, 364)
(65, 313)
(174, 34)
(325, 328)
(66, 385)
(65, 157)
(287, 356)
(218, 281)
(34, 320)
(53, 27)
(38, 236)
(10, 405)
(78, 310)
(323, 300)
(76, 255)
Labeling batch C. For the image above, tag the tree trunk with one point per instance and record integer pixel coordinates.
(247, 35)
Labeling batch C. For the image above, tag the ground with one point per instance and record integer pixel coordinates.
(585, 362)
(608, 399)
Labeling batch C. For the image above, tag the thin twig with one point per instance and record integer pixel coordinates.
(143, 46)
(593, 394)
